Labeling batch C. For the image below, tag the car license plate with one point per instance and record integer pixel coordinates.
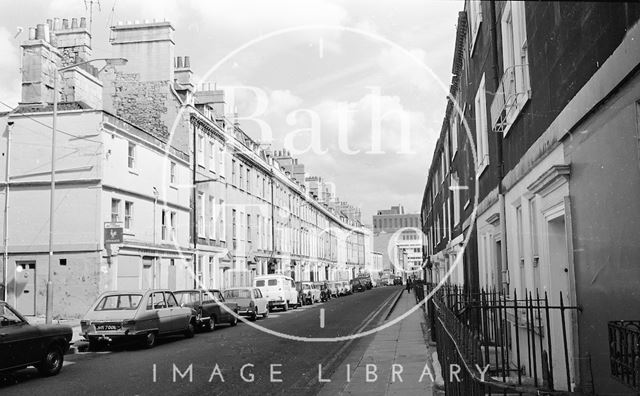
(107, 327)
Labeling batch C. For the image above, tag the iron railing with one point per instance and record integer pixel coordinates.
(524, 343)
(513, 87)
(624, 352)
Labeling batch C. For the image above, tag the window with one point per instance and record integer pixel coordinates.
(172, 172)
(533, 231)
(234, 181)
(233, 225)
(115, 210)
(212, 218)
(241, 172)
(482, 132)
(456, 199)
(200, 208)
(174, 216)
(248, 228)
(212, 159)
(453, 130)
(248, 180)
(259, 232)
(128, 215)
(475, 17)
(221, 220)
(515, 60)
(200, 149)
(221, 162)
(131, 151)
(165, 225)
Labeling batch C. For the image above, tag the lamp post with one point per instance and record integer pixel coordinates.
(112, 61)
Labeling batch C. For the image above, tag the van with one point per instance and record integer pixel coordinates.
(279, 290)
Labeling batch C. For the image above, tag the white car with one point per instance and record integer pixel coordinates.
(279, 290)
(250, 301)
(311, 292)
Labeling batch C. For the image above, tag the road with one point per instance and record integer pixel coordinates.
(209, 358)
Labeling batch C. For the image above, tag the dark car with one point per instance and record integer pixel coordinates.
(357, 286)
(397, 280)
(210, 306)
(22, 344)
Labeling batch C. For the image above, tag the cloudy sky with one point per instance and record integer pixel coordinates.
(356, 88)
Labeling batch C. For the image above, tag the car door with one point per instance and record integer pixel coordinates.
(19, 341)
(178, 318)
(162, 313)
(224, 313)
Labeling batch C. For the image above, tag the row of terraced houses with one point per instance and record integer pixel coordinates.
(201, 203)
(534, 187)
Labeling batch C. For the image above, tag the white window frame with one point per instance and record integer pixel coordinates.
(221, 161)
(200, 149)
(115, 215)
(131, 155)
(128, 215)
(515, 59)
(475, 19)
(482, 129)
(173, 217)
(212, 158)
(222, 220)
(200, 204)
(453, 132)
(212, 218)
(173, 177)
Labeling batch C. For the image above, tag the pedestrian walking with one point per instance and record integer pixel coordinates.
(408, 285)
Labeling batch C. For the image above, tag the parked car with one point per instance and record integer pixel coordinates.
(334, 289)
(250, 301)
(210, 307)
(312, 292)
(357, 286)
(279, 290)
(138, 316)
(345, 288)
(397, 280)
(23, 344)
(325, 293)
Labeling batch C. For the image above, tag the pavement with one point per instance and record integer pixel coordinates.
(402, 348)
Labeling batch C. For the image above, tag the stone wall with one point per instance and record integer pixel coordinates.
(143, 103)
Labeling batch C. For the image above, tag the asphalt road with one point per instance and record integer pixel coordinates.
(273, 365)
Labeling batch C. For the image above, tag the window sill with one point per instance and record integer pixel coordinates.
(482, 168)
(173, 186)
(516, 113)
(133, 171)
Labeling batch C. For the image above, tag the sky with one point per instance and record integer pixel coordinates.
(356, 89)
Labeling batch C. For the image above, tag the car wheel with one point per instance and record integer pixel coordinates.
(265, 314)
(150, 340)
(296, 305)
(285, 307)
(234, 320)
(94, 345)
(51, 362)
(190, 331)
(211, 324)
(254, 316)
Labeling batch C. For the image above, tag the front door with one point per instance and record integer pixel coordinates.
(25, 285)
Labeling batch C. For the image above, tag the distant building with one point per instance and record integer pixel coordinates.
(396, 235)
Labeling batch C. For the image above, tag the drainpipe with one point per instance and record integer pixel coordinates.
(5, 263)
(273, 222)
(194, 203)
(498, 137)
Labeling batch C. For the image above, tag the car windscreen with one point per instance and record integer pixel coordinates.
(119, 302)
(272, 282)
(187, 297)
(259, 283)
(238, 293)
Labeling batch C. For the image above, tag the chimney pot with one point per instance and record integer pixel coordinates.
(187, 62)
(65, 24)
(50, 23)
(83, 22)
(56, 24)
(32, 33)
(74, 23)
(179, 62)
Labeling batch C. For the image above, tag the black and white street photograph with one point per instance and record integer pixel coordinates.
(319, 197)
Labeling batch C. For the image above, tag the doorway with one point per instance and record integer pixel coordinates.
(25, 287)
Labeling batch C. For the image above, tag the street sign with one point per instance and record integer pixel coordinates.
(113, 233)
